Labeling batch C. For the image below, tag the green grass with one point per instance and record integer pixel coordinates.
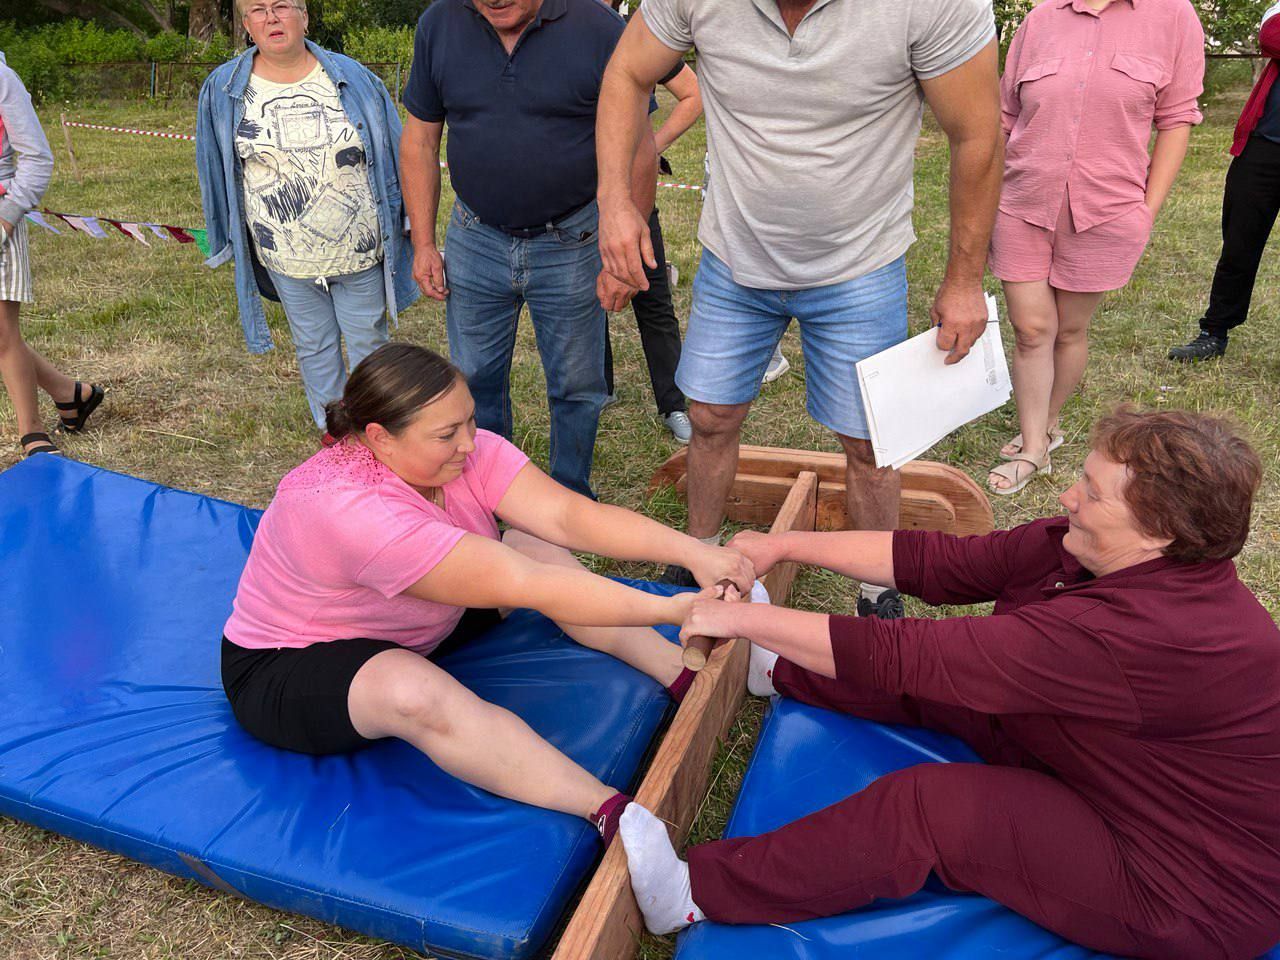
(191, 408)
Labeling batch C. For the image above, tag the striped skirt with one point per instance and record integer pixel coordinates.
(15, 265)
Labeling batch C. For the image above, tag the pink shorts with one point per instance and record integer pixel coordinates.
(1088, 261)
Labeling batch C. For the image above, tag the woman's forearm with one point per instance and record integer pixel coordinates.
(576, 596)
(618, 533)
(1166, 160)
(857, 554)
(802, 637)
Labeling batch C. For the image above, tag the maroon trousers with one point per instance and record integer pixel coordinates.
(1007, 830)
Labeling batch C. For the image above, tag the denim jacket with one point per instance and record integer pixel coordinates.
(373, 113)
(21, 184)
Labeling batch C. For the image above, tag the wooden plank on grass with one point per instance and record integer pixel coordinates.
(607, 922)
(756, 500)
(925, 484)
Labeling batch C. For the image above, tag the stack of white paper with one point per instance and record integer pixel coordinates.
(913, 399)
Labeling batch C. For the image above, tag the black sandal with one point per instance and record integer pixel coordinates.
(45, 447)
(82, 408)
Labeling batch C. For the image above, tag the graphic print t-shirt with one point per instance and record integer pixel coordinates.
(306, 185)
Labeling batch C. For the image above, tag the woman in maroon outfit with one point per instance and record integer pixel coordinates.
(1125, 693)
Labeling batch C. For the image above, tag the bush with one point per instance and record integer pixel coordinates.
(76, 41)
(380, 45)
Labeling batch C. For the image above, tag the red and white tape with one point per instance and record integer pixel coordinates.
(140, 133)
(186, 136)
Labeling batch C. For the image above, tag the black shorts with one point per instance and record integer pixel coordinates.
(296, 697)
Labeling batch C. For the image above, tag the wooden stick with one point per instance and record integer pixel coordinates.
(66, 133)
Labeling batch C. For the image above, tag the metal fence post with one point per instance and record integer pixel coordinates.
(397, 90)
(153, 79)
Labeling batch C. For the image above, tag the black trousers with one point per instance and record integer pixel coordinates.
(659, 329)
(1250, 203)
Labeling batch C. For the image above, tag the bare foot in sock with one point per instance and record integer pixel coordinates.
(659, 878)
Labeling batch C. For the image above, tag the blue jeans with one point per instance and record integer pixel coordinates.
(490, 276)
(322, 312)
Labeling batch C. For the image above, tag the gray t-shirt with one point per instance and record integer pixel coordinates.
(812, 137)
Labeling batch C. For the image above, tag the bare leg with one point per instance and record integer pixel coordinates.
(641, 647)
(713, 462)
(1033, 311)
(872, 495)
(1071, 348)
(60, 387)
(17, 369)
(400, 694)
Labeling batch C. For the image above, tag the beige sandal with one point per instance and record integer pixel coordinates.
(1017, 477)
(1056, 439)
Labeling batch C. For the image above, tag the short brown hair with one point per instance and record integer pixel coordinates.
(1192, 478)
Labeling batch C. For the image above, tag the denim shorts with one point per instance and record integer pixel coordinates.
(733, 330)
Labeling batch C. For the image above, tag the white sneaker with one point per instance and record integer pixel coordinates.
(677, 421)
(778, 366)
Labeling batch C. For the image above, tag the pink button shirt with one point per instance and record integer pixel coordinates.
(1080, 93)
(345, 536)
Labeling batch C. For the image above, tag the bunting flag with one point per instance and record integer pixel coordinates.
(133, 230)
(38, 219)
(93, 227)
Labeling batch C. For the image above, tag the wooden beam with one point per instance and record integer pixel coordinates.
(934, 496)
(607, 923)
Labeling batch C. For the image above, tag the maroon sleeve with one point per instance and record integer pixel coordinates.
(1030, 661)
(1269, 35)
(942, 568)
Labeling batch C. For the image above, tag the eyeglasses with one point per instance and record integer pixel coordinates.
(282, 11)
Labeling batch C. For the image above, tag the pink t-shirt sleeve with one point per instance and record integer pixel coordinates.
(495, 463)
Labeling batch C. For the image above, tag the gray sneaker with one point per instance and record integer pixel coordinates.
(677, 421)
(778, 366)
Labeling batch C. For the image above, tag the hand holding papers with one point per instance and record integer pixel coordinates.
(913, 399)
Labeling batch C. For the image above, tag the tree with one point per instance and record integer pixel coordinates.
(203, 20)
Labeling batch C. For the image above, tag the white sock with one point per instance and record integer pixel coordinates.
(872, 592)
(711, 541)
(659, 878)
(760, 671)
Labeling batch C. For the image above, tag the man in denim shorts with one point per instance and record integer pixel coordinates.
(813, 111)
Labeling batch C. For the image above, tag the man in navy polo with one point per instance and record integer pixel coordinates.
(517, 82)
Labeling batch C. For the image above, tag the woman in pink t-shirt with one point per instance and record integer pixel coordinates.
(1084, 84)
(379, 548)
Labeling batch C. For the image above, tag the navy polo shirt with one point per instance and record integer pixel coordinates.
(1269, 123)
(522, 127)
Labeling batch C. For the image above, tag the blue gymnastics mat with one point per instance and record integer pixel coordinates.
(808, 758)
(117, 732)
